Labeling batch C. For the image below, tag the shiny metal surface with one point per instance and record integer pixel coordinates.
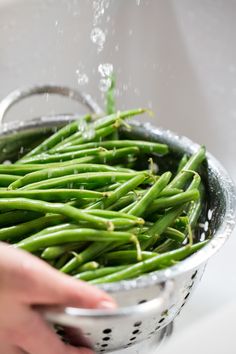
(19, 94)
(132, 324)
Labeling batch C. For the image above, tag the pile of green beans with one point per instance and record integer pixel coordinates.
(80, 202)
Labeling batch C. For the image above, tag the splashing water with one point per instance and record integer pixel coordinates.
(99, 7)
(87, 130)
(104, 84)
(82, 78)
(105, 71)
(98, 37)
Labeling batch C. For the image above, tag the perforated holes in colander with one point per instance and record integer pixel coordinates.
(194, 275)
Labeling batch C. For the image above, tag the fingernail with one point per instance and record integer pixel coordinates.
(106, 305)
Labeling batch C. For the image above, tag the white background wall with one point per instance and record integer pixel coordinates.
(176, 57)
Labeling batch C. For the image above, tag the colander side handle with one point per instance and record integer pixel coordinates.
(74, 316)
(20, 94)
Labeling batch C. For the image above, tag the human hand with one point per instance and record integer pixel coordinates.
(26, 281)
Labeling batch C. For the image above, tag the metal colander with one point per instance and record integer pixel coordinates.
(148, 304)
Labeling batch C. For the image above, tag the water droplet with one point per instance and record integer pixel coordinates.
(89, 133)
(99, 7)
(98, 37)
(104, 84)
(105, 69)
(82, 78)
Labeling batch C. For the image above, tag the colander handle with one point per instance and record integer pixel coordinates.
(20, 94)
(74, 316)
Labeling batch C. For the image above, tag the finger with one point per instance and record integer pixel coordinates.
(36, 337)
(38, 283)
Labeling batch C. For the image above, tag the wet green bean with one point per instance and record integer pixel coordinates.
(74, 235)
(60, 135)
(86, 179)
(140, 206)
(55, 208)
(150, 264)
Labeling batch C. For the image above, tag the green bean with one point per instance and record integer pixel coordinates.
(174, 234)
(52, 194)
(17, 216)
(110, 97)
(113, 156)
(104, 122)
(193, 164)
(103, 157)
(124, 223)
(56, 251)
(123, 202)
(90, 253)
(63, 259)
(97, 136)
(74, 235)
(64, 226)
(181, 223)
(169, 192)
(195, 208)
(140, 206)
(182, 163)
(92, 265)
(132, 197)
(110, 105)
(114, 214)
(144, 146)
(111, 187)
(170, 232)
(18, 170)
(56, 208)
(60, 135)
(172, 201)
(150, 264)
(161, 225)
(166, 220)
(46, 158)
(5, 179)
(167, 246)
(98, 273)
(125, 257)
(83, 178)
(120, 192)
(17, 232)
(59, 172)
